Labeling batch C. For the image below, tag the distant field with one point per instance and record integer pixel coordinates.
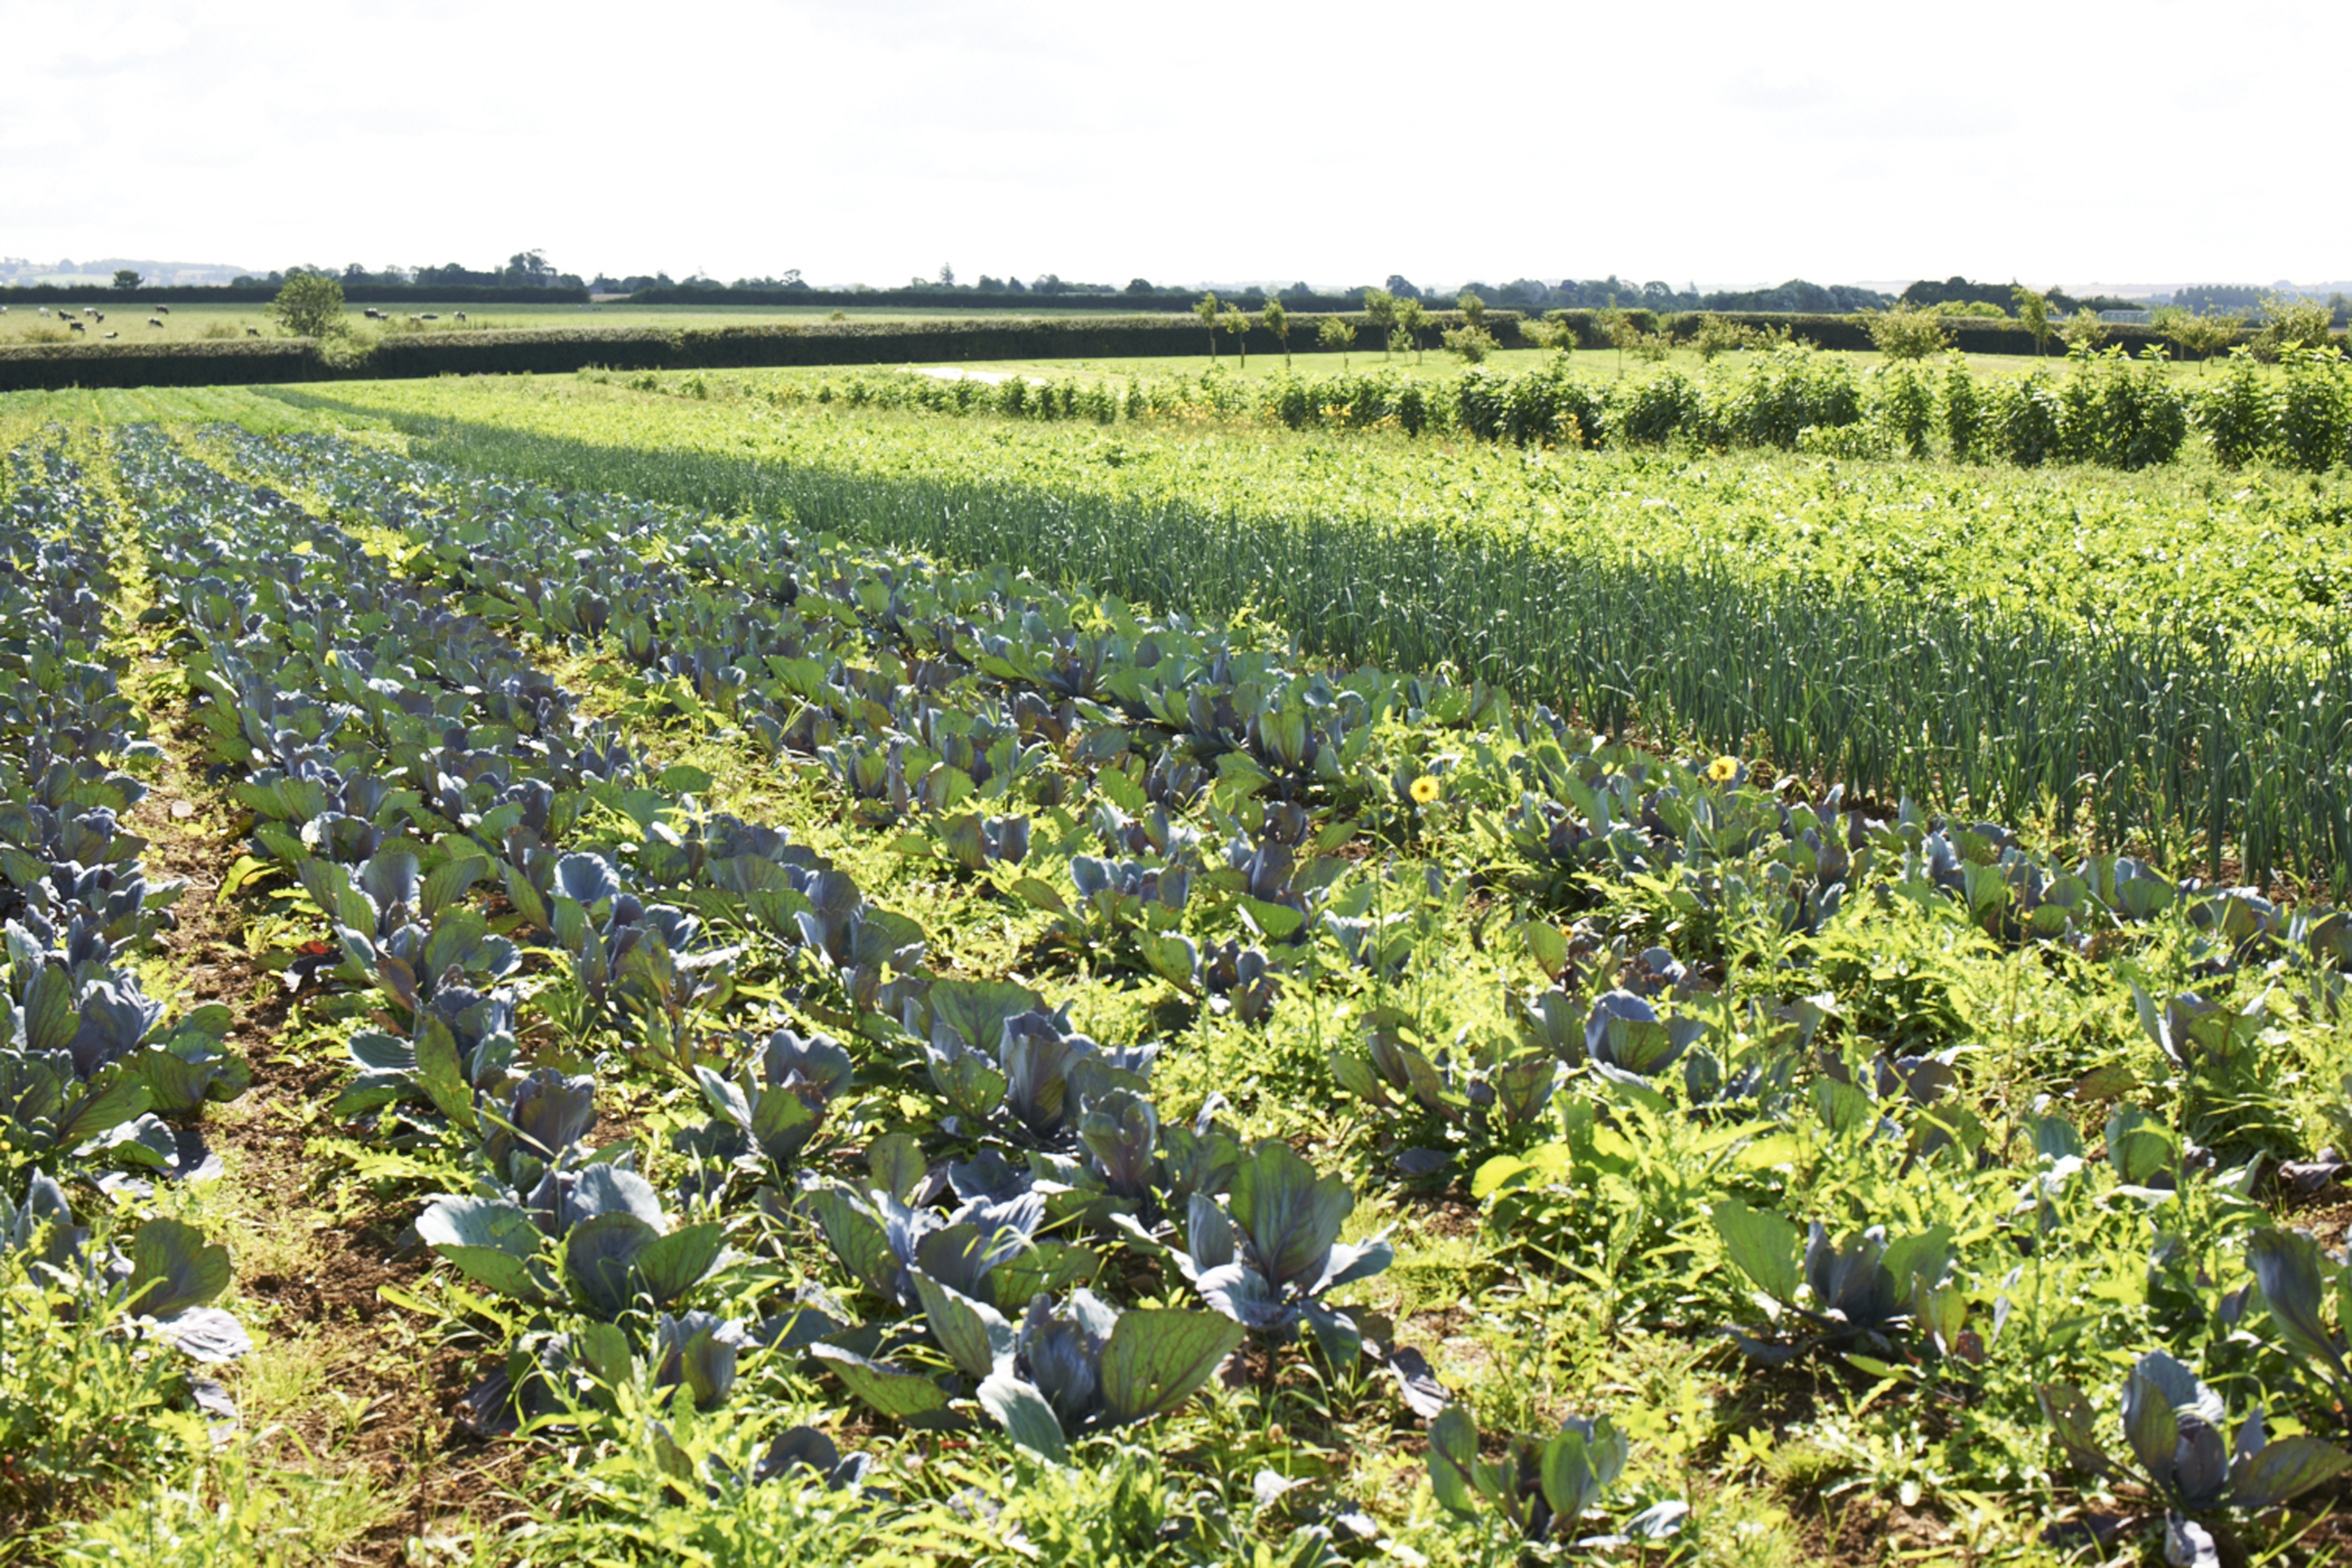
(1592, 365)
(23, 323)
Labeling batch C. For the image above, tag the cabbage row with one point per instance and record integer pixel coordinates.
(938, 1202)
(1174, 802)
(2143, 662)
(99, 1083)
(399, 753)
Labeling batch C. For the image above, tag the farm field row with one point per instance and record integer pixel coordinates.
(893, 1060)
(2151, 659)
(1588, 365)
(23, 323)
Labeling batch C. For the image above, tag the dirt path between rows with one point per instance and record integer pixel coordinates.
(347, 1403)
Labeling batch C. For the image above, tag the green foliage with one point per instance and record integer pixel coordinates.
(1963, 409)
(1708, 1043)
(1904, 331)
(1276, 320)
(1337, 332)
(2025, 417)
(2240, 416)
(1470, 344)
(2197, 334)
(1380, 311)
(125, 278)
(1716, 335)
(310, 305)
(2291, 322)
(1411, 320)
(2314, 411)
(2084, 331)
(1876, 616)
(1236, 324)
(1907, 404)
(2033, 314)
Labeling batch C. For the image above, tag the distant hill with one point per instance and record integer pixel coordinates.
(71, 273)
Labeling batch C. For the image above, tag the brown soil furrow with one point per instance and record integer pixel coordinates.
(367, 1398)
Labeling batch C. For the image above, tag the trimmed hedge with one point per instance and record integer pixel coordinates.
(262, 294)
(562, 350)
(43, 367)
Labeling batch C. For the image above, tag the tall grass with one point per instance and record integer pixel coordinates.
(2136, 737)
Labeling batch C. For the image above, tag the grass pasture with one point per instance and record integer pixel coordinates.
(729, 934)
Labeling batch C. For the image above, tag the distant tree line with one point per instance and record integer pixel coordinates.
(524, 269)
(1927, 293)
(1523, 293)
(1621, 293)
(2235, 299)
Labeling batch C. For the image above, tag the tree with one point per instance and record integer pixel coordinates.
(1556, 331)
(529, 268)
(947, 275)
(1620, 330)
(2291, 321)
(1276, 320)
(2197, 334)
(1337, 332)
(1234, 321)
(1206, 307)
(2083, 330)
(1138, 286)
(1410, 318)
(1471, 342)
(1905, 331)
(2034, 310)
(1402, 286)
(1473, 308)
(1381, 311)
(124, 278)
(309, 305)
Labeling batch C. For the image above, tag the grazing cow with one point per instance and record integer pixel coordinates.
(101, 316)
(432, 316)
(108, 334)
(76, 326)
(89, 309)
(372, 314)
(461, 315)
(162, 310)
(253, 332)
(154, 321)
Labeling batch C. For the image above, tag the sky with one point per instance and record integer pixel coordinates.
(2057, 141)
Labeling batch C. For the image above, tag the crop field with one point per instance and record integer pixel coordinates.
(1309, 360)
(797, 968)
(182, 323)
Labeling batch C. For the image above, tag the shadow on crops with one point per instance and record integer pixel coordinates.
(2137, 737)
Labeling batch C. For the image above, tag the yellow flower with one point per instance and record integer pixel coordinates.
(1723, 770)
(1425, 789)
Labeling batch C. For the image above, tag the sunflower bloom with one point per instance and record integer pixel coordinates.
(1723, 770)
(1425, 789)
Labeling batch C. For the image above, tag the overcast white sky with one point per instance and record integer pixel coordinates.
(2057, 141)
